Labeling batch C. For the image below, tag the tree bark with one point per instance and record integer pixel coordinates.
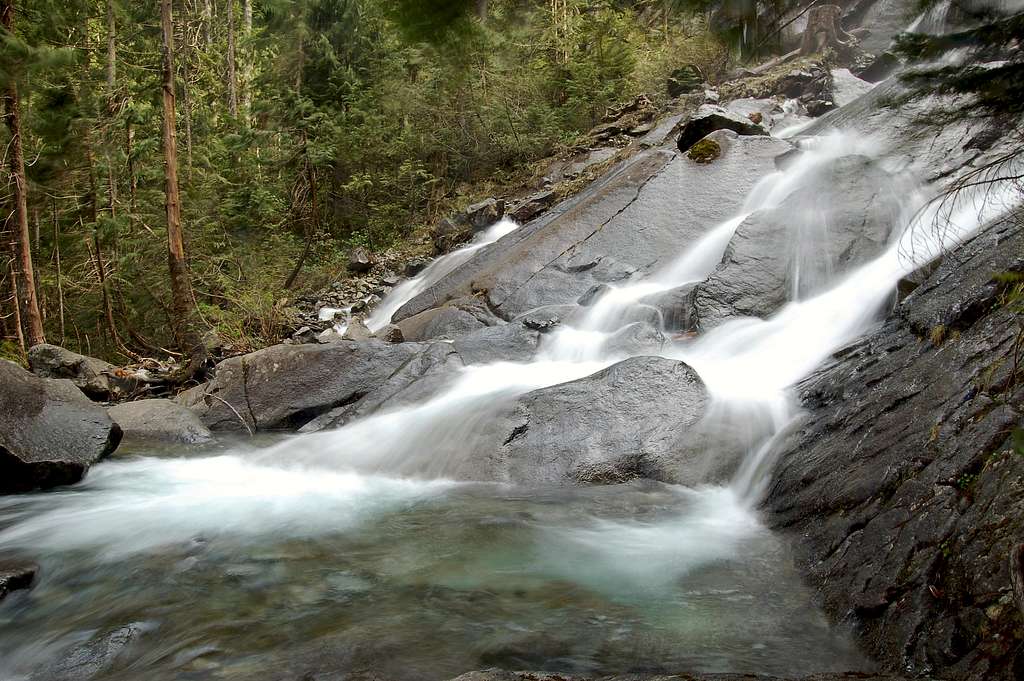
(182, 306)
(232, 72)
(111, 49)
(824, 31)
(247, 62)
(207, 23)
(28, 303)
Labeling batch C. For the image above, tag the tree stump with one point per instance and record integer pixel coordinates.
(824, 31)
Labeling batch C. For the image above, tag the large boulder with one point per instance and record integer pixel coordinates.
(449, 321)
(837, 221)
(709, 118)
(98, 379)
(284, 387)
(901, 486)
(50, 433)
(627, 421)
(159, 420)
(632, 221)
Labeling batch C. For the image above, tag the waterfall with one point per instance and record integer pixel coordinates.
(433, 273)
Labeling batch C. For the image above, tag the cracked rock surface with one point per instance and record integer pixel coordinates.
(901, 487)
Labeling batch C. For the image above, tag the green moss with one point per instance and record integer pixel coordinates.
(705, 151)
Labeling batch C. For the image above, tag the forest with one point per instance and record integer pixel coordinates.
(172, 169)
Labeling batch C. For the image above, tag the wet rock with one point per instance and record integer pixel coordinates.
(877, 68)
(453, 320)
(98, 379)
(482, 215)
(631, 220)
(636, 338)
(304, 334)
(502, 343)
(391, 334)
(50, 433)
(532, 206)
(415, 266)
(285, 386)
(847, 87)
(675, 307)
(901, 485)
(546, 318)
(357, 331)
(447, 234)
(16, 575)
(427, 371)
(159, 420)
(360, 260)
(624, 422)
(503, 675)
(709, 118)
(593, 294)
(857, 200)
(329, 336)
(95, 657)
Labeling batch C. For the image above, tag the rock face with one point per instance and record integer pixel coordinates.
(709, 118)
(455, 319)
(627, 421)
(902, 487)
(840, 220)
(50, 433)
(159, 420)
(633, 220)
(286, 386)
(96, 378)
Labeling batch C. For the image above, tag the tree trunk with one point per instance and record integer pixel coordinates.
(824, 31)
(181, 296)
(28, 303)
(207, 23)
(311, 223)
(111, 49)
(247, 71)
(232, 74)
(481, 10)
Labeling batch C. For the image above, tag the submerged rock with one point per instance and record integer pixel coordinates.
(15, 576)
(160, 421)
(96, 656)
(902, 484)
(50, 433)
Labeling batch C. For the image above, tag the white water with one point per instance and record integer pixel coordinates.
(433, 273)
(748, 366)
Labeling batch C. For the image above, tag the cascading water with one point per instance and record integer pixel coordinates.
(432, 273)
(355, 542)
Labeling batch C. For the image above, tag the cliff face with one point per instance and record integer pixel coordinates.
(901, 486)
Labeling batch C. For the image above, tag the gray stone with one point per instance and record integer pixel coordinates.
(159, 420)
(709, 118)
(50, 433)
(98, 379)
(635, 216)
(624, 422)
(360, 260)
(901, 485)
(482, 215)
(855, 199)
(286, 386)
(357, 331)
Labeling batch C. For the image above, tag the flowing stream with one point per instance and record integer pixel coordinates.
(355, 549)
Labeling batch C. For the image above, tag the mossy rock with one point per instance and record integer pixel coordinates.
(705, 151)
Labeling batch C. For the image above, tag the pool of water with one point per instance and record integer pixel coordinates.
(221, 567)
